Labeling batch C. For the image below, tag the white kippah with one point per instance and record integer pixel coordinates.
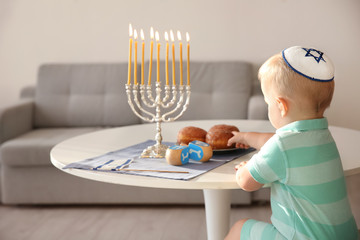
(310, 63)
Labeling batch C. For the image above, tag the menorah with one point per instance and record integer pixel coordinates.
(169, 102)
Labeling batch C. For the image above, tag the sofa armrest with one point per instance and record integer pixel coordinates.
(16, 119)
(257, 108)
(28, 92)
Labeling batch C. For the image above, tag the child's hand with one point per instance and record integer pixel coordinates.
(240, 165)
(239, 140)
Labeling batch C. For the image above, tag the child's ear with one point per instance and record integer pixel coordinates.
(283, 105)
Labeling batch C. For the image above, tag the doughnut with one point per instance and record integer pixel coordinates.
(200, 151)
(177, 155)
(218, 136)
(189, 134)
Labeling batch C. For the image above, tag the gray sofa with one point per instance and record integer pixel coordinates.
(73, 99)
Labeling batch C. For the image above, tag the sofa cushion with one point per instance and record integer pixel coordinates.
(219, 90)
(82, 95)
(33, 148)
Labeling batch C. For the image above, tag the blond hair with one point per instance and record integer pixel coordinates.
(295, 86)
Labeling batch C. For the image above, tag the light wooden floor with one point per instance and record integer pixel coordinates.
(113, 222)
(127, 222)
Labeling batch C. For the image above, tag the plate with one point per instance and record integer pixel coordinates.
(227, 150)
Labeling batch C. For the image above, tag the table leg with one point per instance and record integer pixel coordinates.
(217, 209)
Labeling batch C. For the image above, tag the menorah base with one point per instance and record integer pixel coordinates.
(155, 151)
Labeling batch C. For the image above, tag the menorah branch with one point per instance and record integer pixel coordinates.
(130, 101)
(173, 100)
(144, 99)
(184, 107)
(178, 105)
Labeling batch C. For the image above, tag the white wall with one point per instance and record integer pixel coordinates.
(38, 31)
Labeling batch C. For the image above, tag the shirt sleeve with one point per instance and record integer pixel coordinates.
(268, 165)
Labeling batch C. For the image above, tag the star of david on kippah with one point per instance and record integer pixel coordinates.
(317, 58)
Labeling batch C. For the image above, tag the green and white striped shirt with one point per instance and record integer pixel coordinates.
(308, 190)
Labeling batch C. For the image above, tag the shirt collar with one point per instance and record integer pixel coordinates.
(305, 125)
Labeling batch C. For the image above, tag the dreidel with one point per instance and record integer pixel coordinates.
(177, 155)
(200, 151)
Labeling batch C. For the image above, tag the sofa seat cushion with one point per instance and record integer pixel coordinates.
(33, 148)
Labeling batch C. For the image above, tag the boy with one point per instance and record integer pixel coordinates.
(300, 161)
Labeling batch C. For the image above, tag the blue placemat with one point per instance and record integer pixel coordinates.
(128, 158)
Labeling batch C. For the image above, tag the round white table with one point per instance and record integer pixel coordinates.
(216, 184)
